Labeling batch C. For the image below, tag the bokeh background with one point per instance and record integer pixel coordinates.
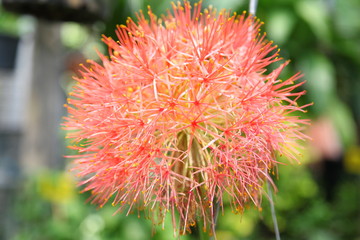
(41, 46)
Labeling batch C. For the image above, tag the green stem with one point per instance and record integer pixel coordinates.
(273, 214)
(216, 214)
(253, 6)
(203, 235)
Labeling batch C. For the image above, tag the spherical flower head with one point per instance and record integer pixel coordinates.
(183, 113)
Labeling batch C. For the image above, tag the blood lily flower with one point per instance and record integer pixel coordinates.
(182, 114)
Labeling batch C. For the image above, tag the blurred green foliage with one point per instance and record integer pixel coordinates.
(9, 23)
(49, 208)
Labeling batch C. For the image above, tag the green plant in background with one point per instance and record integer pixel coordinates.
(50, 208)
(302, 211)
(9, 23)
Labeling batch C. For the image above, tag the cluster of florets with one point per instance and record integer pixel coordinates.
(182, 113)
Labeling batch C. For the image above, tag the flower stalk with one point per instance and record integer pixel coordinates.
(252, 7)
(273, 213)
(252, 10)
